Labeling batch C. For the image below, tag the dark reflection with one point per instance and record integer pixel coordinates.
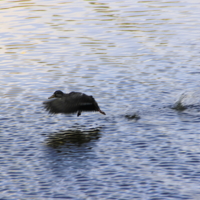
(72, 137)
(134, 116)
(70, 150)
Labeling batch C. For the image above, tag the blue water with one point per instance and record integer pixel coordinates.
(136, 58)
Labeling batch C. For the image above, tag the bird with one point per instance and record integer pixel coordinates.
(69, 103)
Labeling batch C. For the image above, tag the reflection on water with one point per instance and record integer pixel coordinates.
(72, 137)
(70, 149)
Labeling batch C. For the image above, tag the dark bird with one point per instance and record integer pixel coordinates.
(71, 103)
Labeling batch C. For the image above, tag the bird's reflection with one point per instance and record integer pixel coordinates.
(74, 137)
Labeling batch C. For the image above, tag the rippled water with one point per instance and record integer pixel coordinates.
(136, 58)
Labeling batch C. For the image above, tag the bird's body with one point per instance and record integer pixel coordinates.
(71, 103)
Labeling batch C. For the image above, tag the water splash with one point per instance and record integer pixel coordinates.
(187, 100)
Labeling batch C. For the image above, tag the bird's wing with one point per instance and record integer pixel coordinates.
(57, 105)
(71, 103)
(82, 102)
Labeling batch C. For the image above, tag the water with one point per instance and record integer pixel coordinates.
(136, 58)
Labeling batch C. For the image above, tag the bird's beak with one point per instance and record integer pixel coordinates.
(53, 96)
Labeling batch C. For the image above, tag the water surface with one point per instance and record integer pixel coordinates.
(136, 58)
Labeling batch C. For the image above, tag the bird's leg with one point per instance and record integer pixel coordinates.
(78, 113)
(103, 113)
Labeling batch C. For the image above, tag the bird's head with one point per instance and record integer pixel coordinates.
(57, 94)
